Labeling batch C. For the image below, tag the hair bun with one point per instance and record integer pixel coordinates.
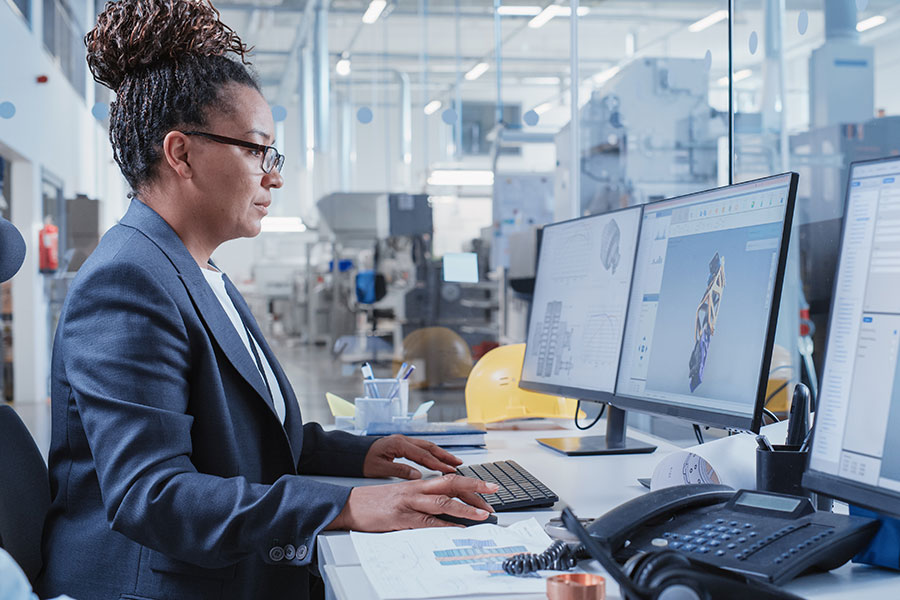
(134, 34)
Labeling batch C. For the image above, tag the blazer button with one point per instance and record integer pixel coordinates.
(289, 552)
(302, 551)
(276, 553)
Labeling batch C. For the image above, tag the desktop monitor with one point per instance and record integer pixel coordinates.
(700, 325)
(578, 313)
(856, 447)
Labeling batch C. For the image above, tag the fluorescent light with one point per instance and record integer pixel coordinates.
(374, 11)
(518, 11)
(477, 71)
(342, 67)
(432, 107)
(282, 225)
(555, 10)
(871, 22)
(539, 81)
(542, 108)
(461, 177)
(604, 76)
(738, 76)
(708, 21)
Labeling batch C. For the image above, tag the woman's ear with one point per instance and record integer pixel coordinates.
(176, 148)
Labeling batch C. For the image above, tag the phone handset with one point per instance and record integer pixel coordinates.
(613, 528)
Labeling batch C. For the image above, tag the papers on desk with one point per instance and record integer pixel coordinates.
(449, 561)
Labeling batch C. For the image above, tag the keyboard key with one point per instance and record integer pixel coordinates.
(518, 487)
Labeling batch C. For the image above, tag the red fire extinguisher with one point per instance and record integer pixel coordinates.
(48, 244)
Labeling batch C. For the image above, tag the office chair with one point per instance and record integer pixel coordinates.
(24, 493)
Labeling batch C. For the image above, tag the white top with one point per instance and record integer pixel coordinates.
(216, 281)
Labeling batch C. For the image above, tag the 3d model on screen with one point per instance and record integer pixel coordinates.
(707, 313)
(609, 246)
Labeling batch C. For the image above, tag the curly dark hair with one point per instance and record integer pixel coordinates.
(167, 62)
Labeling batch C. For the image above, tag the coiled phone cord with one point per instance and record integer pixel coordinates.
(560, 556)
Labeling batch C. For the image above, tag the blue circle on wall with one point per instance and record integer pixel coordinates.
(531, 118)
(449, 116)
(803, 22)
(754, 42)
(364, 115)
(862, 5)
(707, 60)
(279, 113)
(7, 110)
(100, 110)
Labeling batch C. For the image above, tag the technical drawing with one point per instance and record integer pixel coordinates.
(572, 257)
(599, 345)
(609, 246)
(705, 321)
(481, 555)
(553, 339)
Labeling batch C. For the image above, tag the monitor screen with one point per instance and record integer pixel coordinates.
(578, 309)
(704, 301)
(856, 447)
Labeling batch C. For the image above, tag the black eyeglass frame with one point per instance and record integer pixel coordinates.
(279, 157)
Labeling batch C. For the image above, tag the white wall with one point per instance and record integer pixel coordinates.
(53, 130)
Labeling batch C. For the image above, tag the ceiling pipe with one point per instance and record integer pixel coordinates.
(321, 78)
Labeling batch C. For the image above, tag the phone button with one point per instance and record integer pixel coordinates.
(659, 542)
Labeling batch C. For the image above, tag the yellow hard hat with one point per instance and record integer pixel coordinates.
(441, 356)
(493, 392)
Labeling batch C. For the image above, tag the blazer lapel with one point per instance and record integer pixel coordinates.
(293, 423)
(146, 220)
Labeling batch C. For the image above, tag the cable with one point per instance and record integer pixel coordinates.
(698, 433)
(594, 422)
(560, 556)
(775, 392)
(771, 415)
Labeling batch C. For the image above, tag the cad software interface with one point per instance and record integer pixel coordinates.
(860, 398)
(701, 297)
(580, 298)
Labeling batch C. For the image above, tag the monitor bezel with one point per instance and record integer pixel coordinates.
(847, 490)
(568, 391)
(714, 418)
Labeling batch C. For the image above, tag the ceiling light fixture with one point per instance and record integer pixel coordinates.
(432, 107)
(871, 23)
(555, 10)
(374, 11)
(461, 177)
(518, 11)
(477, 71)
(342, 67)
(738, 76)
(542, 108)
(708, 21)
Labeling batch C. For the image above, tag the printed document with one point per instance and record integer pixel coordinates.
(449, 561)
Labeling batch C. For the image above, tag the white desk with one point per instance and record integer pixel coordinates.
(590, 485)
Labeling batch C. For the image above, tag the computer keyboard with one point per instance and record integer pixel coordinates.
(518, 487)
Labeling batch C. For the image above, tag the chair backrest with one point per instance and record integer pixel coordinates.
(24, 493)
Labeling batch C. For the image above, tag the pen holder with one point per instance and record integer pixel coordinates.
(781, 470)
(396, 390)
(372, 410)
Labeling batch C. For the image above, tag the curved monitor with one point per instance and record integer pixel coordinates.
(580, 299)
(701, 320)
(856, 446)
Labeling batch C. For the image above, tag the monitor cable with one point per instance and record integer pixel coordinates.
(594, 422)
(698, 433)
(770, 414)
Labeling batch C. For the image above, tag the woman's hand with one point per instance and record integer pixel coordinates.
(414, 504)
(379, 461)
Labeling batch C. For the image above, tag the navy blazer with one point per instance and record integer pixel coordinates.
(171, 475)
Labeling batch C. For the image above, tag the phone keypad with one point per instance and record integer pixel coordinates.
(738, 540)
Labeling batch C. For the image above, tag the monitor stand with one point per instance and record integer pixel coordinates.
(614, 442)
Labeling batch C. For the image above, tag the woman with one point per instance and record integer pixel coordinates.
(177, 444)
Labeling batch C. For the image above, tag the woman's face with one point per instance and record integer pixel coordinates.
(235, 191)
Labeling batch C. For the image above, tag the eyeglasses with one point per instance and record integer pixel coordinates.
(271, 158)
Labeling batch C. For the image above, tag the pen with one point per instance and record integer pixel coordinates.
(371, 390)
(395, 389)
(764, 444)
